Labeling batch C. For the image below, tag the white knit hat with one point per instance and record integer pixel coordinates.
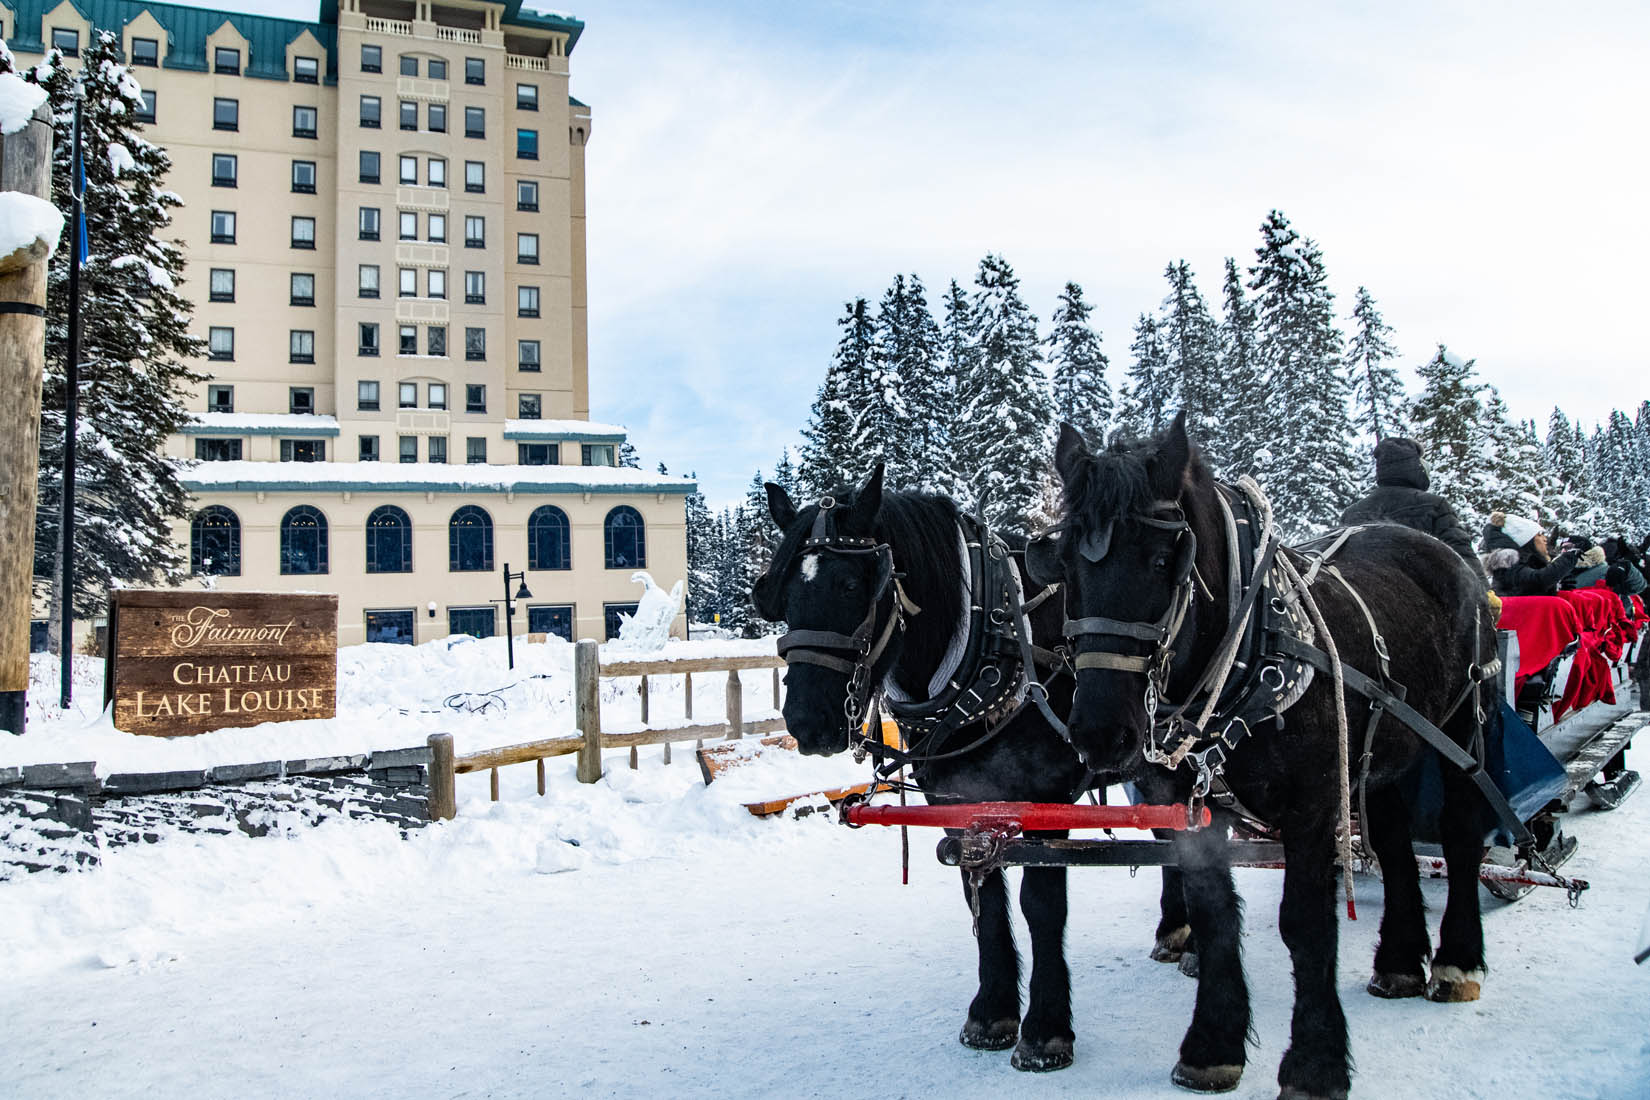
(1521, 530)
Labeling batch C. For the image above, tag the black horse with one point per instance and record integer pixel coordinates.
(1142, 551)
(875, 590)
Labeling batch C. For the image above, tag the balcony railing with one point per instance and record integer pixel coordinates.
(456, 34)
(389, 26)
(531, 64)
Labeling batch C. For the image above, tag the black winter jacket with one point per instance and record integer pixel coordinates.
(1411, 506)
(1530, 578)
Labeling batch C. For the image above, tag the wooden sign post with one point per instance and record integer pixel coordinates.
(187, 662)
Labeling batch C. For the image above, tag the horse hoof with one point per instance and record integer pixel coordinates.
(1044, 1057)
(1452, 985)
(1171, 945)
(1290, 1092)
(1206, 1078)
(997, 1035)
(1397, 986)
(1188, 964)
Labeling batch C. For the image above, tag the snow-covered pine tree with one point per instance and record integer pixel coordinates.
(628, 456)
(1445, 419)
(1244, 380)
(701, 550)
(1004, 440)
(784, 475)
(135, 343)
(1313, 472)
(885, 427)
(916, 346)
(1191, 350)
(1566, 458)
(1513, 461)
(1149, 394)
(957, 358)
(1378, 393)
(1082, 396)
(761, 537)
(830, 454)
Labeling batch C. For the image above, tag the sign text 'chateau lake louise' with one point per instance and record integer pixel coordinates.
(188, 662)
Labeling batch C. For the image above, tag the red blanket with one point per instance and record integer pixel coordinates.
(1544, 624)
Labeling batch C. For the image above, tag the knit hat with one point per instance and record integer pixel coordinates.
(1519, 529)
(1398, 462)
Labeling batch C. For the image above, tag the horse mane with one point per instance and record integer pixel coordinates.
(1115, 482)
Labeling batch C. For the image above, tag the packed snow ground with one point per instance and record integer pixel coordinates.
(646, 936)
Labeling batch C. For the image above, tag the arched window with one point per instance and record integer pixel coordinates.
(215, 543)
(548, 543)
(303, 542)
(389, 541)
(625, 539)
(470, 541)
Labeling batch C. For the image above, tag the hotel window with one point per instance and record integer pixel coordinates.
(475, 70)
(408, 167)
(220, 399)
(225, 170)
(304, 121)
(303, 288)
(366, 396)
(409, 448)
(408, 340)
(528, 406)
(475, 399)
(218, 450)
(369, 166)
(223, 227)
(527, 301)
(372, 59)
(477, 622)
(527, 97)
(146, 51)
(625, 539)
(548, 544)
(475, 231)
(435, 283)
(438, 118)
(475, 450)
(301, 348)
(301, 399)
(538, 454)
(435, 341)
(597, 454)
(306, 70)
(475, 122)
(475, 344)
(367, 226)
(437, 229)
(220, 344)
(527, 355)
(407, 395)
(367, 341)
(222, 285)
(226, 114)
(67, 41)
(303, 539)
(303, 177)
(438, 449)
(475, 177)
(146, 113)
(409, 114)
(409, 226)
(303, 232)
(303, 450)
(366, 281)
(527, 195)
(438, 395)
(527, 144)
(215, 543)
(369, 448)
(408, 282)
(527, 248)
(475, 288)
(438, 69)
(409, 65)
(226, 60)
(372, 112)
(435, 173)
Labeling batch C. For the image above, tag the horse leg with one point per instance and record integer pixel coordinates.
(1458, 965)
(1405, 944)
(994, 1015)
(1045, 1034)
(1213, 1054)
(1173, 939)
(1316, 1065)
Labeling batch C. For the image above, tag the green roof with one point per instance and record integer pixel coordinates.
(513, 16)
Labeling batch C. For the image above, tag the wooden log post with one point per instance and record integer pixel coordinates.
(687, 696)
(443, 780)
(587, 708)
(736, 706)
(776, 687)
(25, 167)
(635, 758)
(492, 784)
(540, 763)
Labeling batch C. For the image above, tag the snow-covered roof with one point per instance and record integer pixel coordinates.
(423, 477)
(261, 424)
(586, 431)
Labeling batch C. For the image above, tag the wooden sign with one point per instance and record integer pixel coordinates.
(187, 662)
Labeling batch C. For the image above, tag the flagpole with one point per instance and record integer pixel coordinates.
(71, 401)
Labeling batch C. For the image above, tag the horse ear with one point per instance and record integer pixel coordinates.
(1069, 450)
(1167, 468)
(780, 506)
(869, 499)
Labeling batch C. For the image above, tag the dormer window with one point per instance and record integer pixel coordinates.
(66, 40)
(146, 51)
(227, 61)
(306, 70)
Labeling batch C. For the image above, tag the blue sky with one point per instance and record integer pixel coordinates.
(753, 165)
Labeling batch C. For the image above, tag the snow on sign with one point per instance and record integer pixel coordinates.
(188, 662)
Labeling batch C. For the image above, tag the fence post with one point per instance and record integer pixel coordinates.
(443, 780)
(736, 706)
(775, 687)
(687, 695)
(587, 708)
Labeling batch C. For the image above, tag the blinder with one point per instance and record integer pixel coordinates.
(1159, 634)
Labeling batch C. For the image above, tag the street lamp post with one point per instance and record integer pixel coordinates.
(510, 609)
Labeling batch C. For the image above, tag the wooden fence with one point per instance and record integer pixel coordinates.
(592, 737)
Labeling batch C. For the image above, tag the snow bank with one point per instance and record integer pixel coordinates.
(18, 101)
(26, 221)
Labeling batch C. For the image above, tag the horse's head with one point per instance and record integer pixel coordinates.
(1124, 554)
(832, 581)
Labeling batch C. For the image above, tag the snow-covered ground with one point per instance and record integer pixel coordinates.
(645, 936)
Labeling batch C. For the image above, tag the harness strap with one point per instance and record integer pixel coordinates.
(1095, 624)
(824, 660)
(1119, 662)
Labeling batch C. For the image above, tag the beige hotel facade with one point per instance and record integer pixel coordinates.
(385, 227)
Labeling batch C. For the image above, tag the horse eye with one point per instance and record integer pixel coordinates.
(1161, 563)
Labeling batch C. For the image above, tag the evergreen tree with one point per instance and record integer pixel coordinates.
(1445, 419)
(1312, 472)
(957, 358)
(1003, 440)
(1377, 391)
(784, 475)
(1244, 380)
(628, 457)
(1149, 394)
(885, 427)
(1191, 351)
(1082, 396)
(1513, 460)
(761, 539)
(135, 343)
(832, 454)
(909, 340)
(701, 549)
